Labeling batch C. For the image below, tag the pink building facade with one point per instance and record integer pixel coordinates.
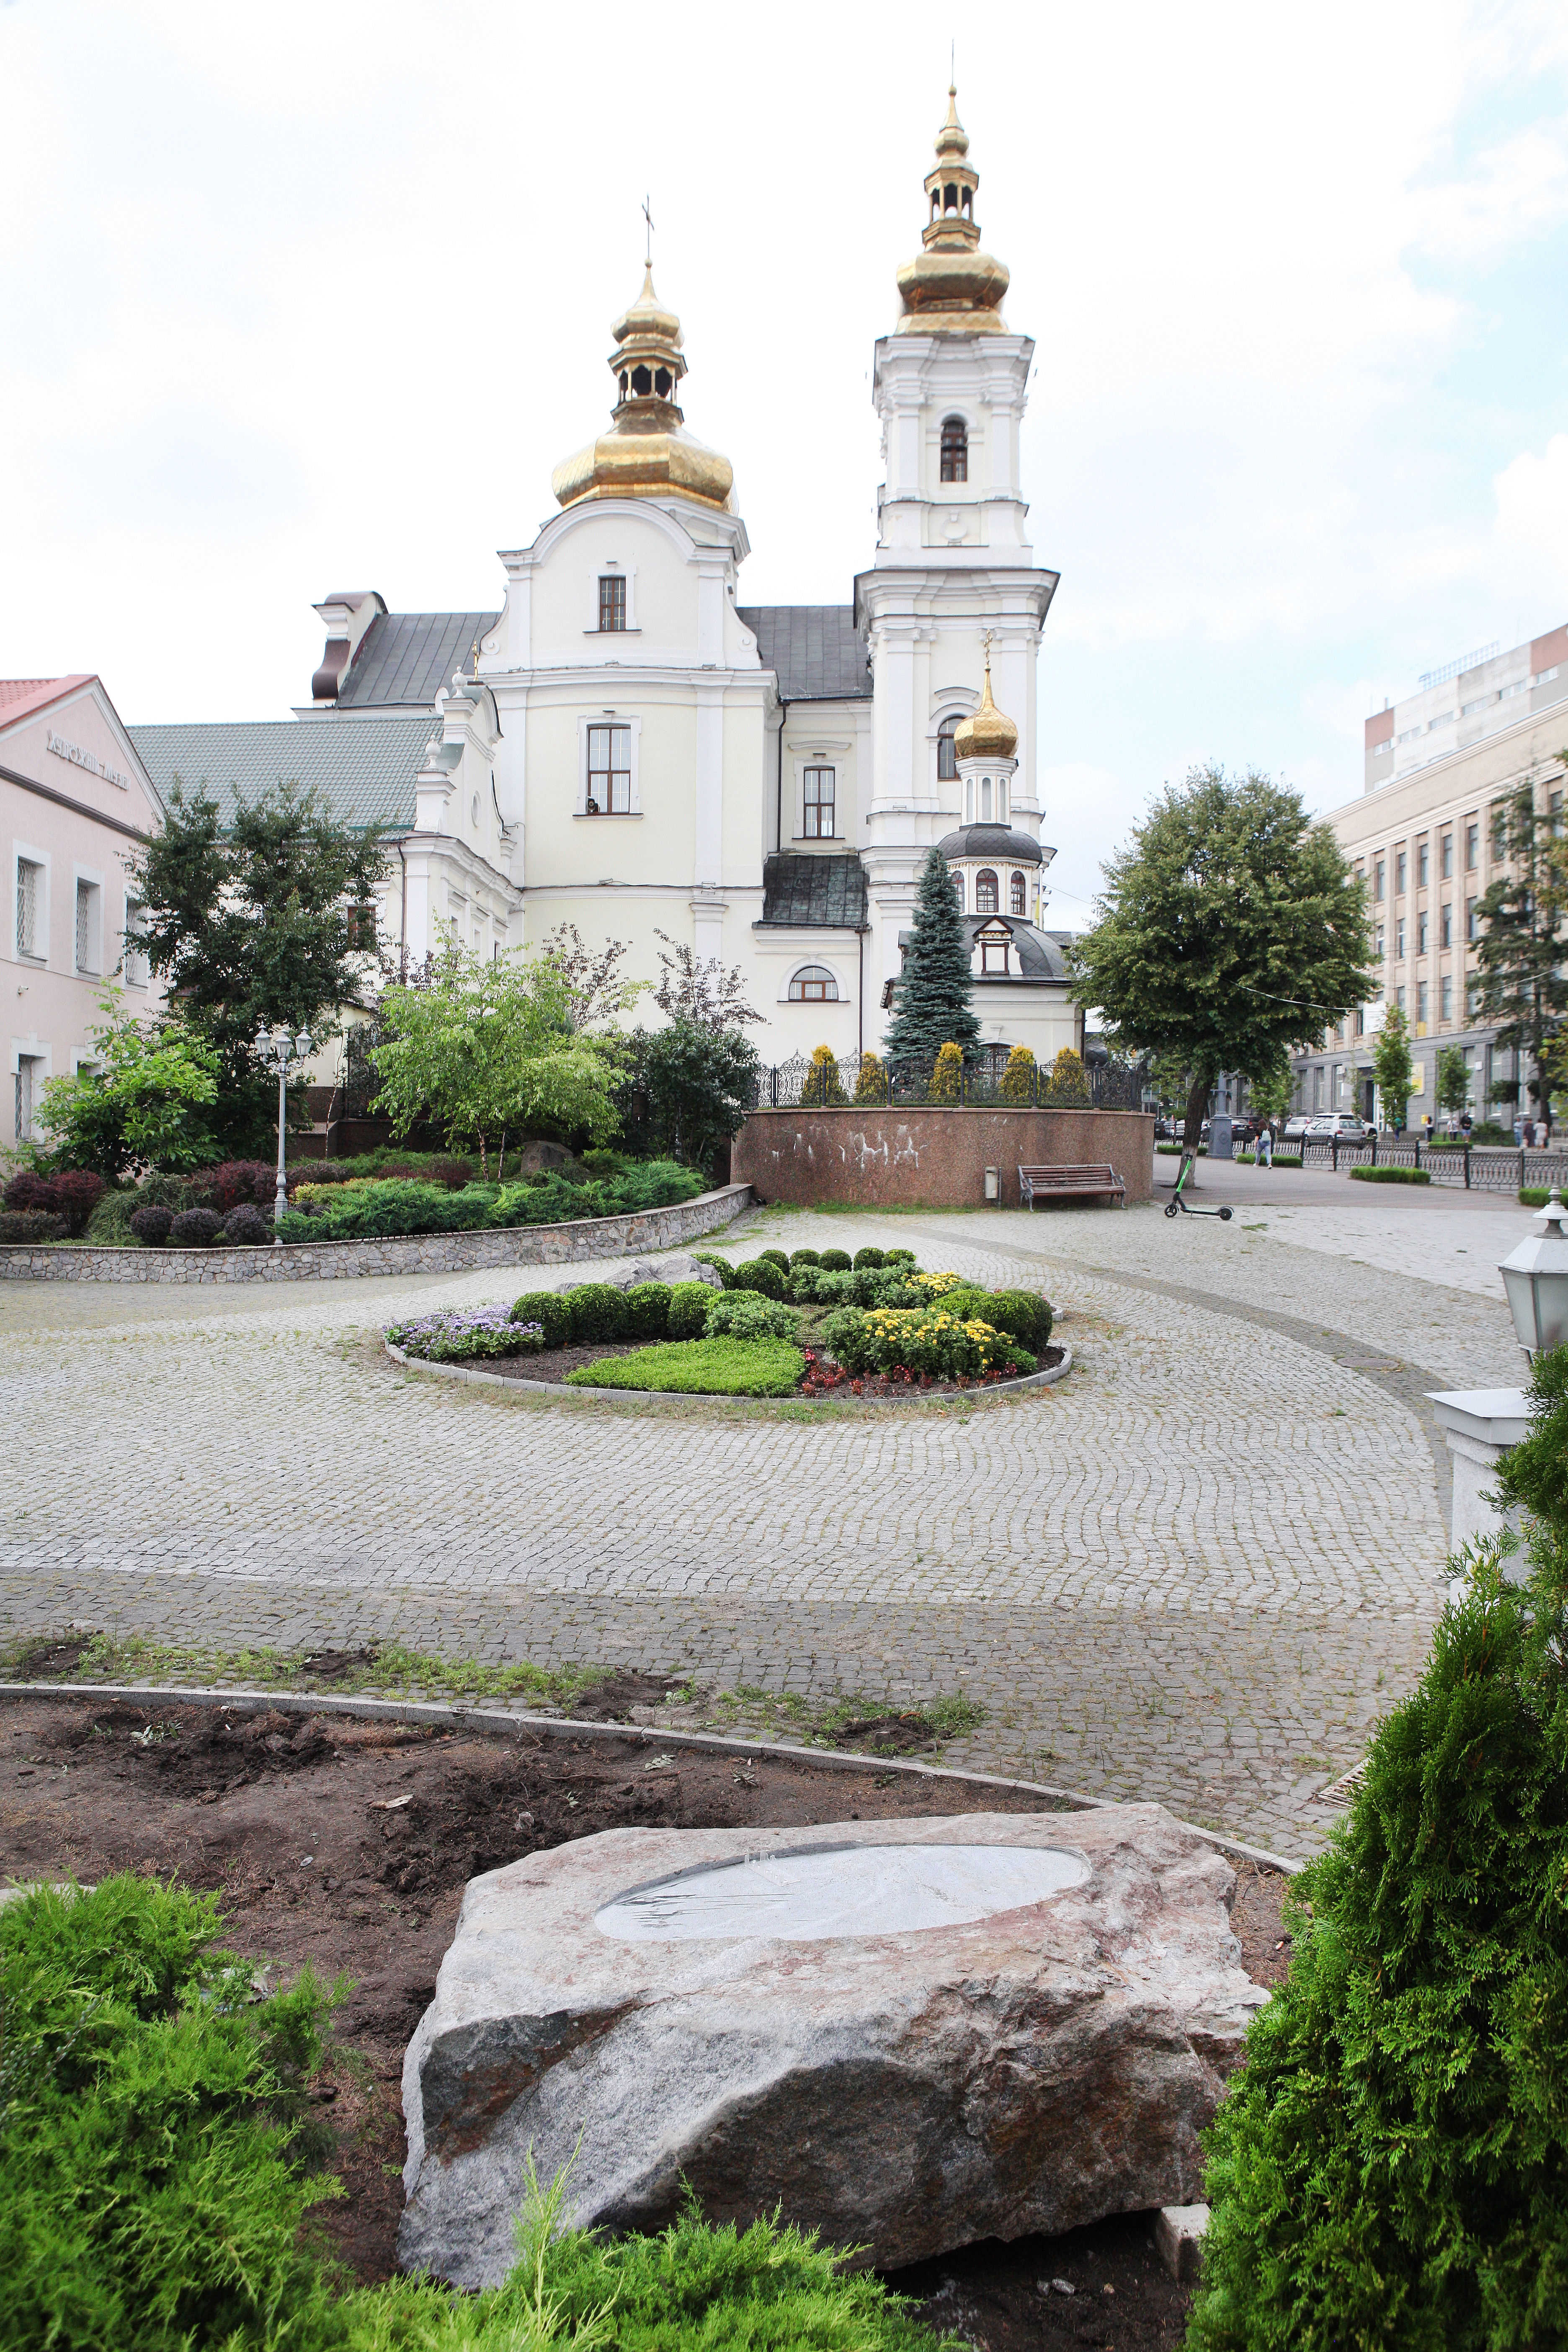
(74, 800)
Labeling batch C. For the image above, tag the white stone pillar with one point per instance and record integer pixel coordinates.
(1480, 1426)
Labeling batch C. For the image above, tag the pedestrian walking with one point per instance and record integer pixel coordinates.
(1263, 1150)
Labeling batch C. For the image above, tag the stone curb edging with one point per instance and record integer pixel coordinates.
(557, 1726)
(697, 1396)
(638, 1233)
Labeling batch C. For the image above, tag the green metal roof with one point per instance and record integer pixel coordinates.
(362, 767)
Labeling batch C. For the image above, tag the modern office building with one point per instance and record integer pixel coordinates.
(1439, 766)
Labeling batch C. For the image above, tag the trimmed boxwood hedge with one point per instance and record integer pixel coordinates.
(1391, 1176)
(549, 1308)
(687, 1317)
(648, 1310)
(760, 1274)
(599, 1312)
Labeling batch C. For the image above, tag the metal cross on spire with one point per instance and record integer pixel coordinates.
(647, 215)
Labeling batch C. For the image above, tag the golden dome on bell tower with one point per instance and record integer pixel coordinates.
(987, 734)
(950, 287)
(646, 453)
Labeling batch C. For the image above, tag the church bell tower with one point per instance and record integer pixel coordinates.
(953, 567)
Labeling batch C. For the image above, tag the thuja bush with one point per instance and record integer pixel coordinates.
(551, 1309)
(1018, 1078)
(947, 1074)
(871, 1086)
(760, 1274)
(648, 1310)
(689, 1305)
(1390, 2168)
(599, 1313)
(822, 1084)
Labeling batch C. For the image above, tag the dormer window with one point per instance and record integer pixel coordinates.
(613, 601)
(955, 450)
(993, 956)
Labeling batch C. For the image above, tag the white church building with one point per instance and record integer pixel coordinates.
(627, 745)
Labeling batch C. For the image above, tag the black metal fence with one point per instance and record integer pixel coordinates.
(986, 1079)
(1475, 1167)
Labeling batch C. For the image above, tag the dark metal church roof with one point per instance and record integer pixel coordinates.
(817, 652)
(814, 894)
(404, 659)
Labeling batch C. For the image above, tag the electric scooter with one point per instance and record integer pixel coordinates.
(1176, 1207)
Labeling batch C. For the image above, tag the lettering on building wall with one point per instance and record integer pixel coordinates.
(80, 758)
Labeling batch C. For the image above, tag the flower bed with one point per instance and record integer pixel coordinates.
(916, 1330)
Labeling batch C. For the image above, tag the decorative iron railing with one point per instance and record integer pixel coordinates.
(987, 1079)
(1477, 1167)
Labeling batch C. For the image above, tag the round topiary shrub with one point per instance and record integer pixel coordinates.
(899, 1257)
(1024, 1315)
(780, 1258)
(869, 1257)
(721, 1266)
(836, 1261)
(150, 1226)
(805, 1257)
(599, 1313)
(550, 1310)
(760, 1274)
(31, 1225)
(246, 1226)
(195, 1229)
(688, 1314)
(648, 1310)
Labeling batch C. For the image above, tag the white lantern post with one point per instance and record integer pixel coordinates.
(276, 1049)
(1535, 1277)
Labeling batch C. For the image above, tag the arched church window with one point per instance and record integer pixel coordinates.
(955, 450)
(985, 892)
(969, 799)
(1001, 800)
(642, 380)
(958, 890)
(1016, 894)
(814, 984)
(949, 197)
(985, 799)
(661, 383)
(946, 757)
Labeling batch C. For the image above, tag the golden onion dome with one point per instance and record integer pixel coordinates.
(950, 287)
(987, 734)
(646, 454)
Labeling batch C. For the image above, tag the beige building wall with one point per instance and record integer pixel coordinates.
(1425, 844)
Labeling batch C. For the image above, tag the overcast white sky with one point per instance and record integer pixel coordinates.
(306, 298)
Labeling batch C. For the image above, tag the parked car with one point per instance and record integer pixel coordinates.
(1342, 1124)
(1296, 1127)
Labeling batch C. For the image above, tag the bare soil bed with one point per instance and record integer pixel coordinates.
(345, 1843)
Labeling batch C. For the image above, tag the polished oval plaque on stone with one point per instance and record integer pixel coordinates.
(816, 1892)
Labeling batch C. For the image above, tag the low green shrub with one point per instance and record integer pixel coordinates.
(550, 1310)
(747, 1314)
(152, 2158)
(366, 1206)
(689, 1305)
(721, 1266)
(109, 1223)
(760, 1274)
(599, 1313)
(836, 1261)
(701, 1367)
(780, 1258)
(648, 1310)
(1487, 1131)
(1390, 1175)
(899, 1257)
(805, 1257)
(1024, 1315)
(868, 1257)
(1531, 1196)
(816, 1285)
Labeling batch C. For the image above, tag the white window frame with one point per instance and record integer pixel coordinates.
(947, 717)
(93, 968)
(611, 569)
(141, 978)
(24, 854)
(25, 1050)
(608, 719)
(812, 963)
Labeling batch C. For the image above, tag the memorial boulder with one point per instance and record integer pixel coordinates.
(906, 2035)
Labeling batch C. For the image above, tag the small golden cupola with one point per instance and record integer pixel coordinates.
(952, 287)
(987, 734)
(646, 453)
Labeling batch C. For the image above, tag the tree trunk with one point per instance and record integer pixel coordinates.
(1193, 1125)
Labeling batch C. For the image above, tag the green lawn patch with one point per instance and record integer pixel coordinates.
(1391, 1176)
(700, 1368)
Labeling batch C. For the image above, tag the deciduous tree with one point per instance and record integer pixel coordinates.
(1230, 930)
(1391, 1065)
(146, 1101)
(1523, 986)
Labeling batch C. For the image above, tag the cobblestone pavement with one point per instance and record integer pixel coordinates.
(1196, 1570)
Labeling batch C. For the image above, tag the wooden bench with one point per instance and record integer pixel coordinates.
(1042, 1183)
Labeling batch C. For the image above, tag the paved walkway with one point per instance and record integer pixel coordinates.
(1196, 1571)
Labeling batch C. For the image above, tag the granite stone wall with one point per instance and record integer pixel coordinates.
(933, 1159)
(588, 1238)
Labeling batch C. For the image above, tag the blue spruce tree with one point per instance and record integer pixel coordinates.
(931, 996)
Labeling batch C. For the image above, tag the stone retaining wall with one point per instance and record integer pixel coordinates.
(932, 1158)
(588, 1238)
